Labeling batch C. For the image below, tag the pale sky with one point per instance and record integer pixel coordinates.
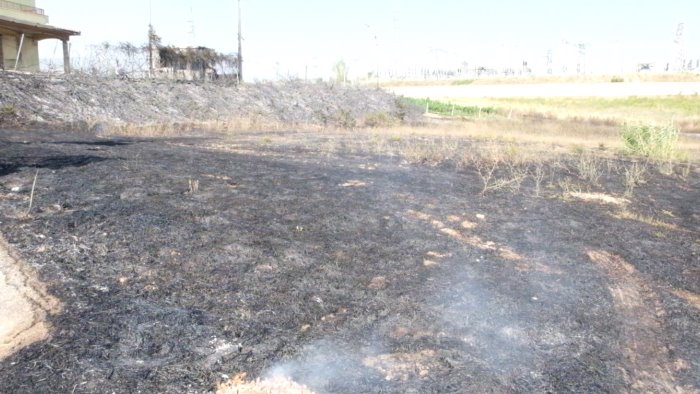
(308, 36)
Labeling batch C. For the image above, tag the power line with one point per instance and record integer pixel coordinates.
(191, 32)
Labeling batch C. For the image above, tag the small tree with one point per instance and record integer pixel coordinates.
(340, 70)
(199, 59)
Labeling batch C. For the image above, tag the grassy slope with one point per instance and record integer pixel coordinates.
(557, 128)
(682, 110)
(447, 108)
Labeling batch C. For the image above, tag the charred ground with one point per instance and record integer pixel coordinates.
(347, 270)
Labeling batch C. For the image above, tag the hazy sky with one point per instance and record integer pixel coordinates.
(291, 37)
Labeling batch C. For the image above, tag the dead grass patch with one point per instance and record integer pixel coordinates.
(599, 198)
(691, 298)
(438, 255)
(278, 384)
(469, 239)
(378, 283)
(354, 183)
(541, 134)
(527, 266)
(165, 129)
(430, 263)
(404, 366)
(651, 221)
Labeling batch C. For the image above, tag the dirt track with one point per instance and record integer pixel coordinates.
(553, 90)
(307, 256)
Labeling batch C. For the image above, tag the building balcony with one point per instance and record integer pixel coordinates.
(11, 5)
(23, 12)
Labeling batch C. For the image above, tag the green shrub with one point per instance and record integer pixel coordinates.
(617, 79)
(378, 119)
(402, 108)
(654, 142)
(8, 109)
(346, 119)
(448, 109)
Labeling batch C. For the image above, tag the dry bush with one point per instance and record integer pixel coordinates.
(685, 170)
(500, 167)
(429, 150)
(538, 176)
(507, 154)
(378, 119)
(634, 176)
(568, 186)
(588, 168)
(486, 168)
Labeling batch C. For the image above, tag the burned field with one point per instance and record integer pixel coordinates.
(182, 262)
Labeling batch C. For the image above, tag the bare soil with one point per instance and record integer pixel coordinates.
(25, 305)
(190, 263)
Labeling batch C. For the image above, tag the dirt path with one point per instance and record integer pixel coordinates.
(650, 365)
(649, 89)
(25, 305)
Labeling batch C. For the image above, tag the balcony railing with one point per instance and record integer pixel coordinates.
(21, 7)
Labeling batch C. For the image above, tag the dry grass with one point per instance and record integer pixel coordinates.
(600, 198)
(551, 157)
(588, 167)
(682, 111)
(499, 164)
(690, 297)
(233, 124)
(534, 132)
(634, 176)
(535, 136)
(281, 384)
(164, 129)
(651, 221)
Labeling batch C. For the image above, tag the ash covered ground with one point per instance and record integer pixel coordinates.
(183, 261)
(80, 102)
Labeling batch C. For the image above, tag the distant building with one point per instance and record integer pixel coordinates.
(199, 63)
(22, 26)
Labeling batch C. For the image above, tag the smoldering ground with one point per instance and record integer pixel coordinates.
(469, 327)
(347, 270)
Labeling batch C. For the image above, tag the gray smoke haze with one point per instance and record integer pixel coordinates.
(327, 366)
(469, 327)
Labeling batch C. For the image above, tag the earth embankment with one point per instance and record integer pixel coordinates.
(103, 104)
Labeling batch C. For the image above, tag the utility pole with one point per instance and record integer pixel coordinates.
(192, 32)
(680, 48)
(240, 46)
(581, 67)
(150, 50)
(150, 38)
